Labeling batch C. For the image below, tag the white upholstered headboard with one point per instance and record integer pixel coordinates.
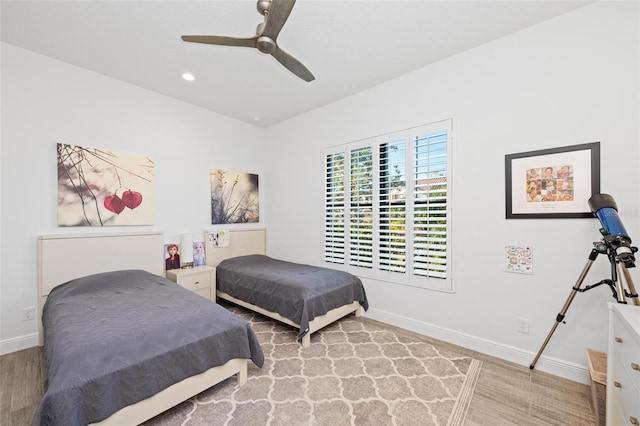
(241, 242)
(64, 257)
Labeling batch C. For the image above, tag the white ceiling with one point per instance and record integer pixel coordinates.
(349, 45)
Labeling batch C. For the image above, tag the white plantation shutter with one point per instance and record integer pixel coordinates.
(387, 203)
(430, 204)
(334, 208)
(361, 208)
(392, 241)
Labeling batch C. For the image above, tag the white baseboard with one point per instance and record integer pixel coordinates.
(18, 343)
(558, 367)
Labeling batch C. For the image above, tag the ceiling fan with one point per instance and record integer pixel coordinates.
(276, 13)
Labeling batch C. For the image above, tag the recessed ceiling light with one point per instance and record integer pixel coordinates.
(188, 76)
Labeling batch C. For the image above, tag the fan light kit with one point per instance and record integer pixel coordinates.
(276, 13)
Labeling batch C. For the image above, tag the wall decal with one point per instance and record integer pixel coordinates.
(217, 238)
(103, 188)
(518, 259)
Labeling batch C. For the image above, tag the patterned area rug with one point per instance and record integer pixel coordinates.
(356, 372)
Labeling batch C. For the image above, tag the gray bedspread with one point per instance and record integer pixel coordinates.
(297, 292)
(117, 338)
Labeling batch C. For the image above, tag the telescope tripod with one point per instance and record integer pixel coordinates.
(619, 276)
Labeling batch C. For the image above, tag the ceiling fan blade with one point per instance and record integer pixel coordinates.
(276, 14)
(221, 40)
(293, 65)
(279, 12)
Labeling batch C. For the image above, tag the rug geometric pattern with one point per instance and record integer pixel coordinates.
(356, 372)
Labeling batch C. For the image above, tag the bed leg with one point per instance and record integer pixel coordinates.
(242, 374)
(357, 312)
(306, 340)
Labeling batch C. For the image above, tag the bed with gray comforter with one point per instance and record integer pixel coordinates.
(116, 338)
(296, 291)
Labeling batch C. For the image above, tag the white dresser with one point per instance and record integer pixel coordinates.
(623, 365)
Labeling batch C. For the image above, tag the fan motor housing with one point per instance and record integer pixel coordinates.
(266, 45)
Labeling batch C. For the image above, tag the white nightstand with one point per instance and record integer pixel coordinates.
(200, 280)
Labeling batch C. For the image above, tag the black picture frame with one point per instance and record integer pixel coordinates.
(562, 193)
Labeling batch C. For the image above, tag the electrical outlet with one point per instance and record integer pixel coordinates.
(28, 314)
(523, 325)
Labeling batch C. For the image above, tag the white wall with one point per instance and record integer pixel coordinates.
(568, 81)
(45, 102)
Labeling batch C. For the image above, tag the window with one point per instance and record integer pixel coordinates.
(387, 209)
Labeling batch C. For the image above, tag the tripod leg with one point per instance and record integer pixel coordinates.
(565, 308)
(620, 270)
(632, 288)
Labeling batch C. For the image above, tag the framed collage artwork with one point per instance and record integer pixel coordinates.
(552, 183)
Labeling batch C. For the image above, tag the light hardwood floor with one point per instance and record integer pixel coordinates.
(511, 394)
(506, 393)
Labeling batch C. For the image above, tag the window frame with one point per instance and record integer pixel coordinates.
(408, 277)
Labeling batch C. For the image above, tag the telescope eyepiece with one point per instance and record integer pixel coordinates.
(600, 201)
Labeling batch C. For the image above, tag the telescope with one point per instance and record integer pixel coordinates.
(616, 245)
(604, 207)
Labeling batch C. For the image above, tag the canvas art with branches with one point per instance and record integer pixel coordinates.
(103, 188)
(234, 197)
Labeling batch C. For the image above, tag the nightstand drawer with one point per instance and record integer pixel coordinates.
(206, 293)
(200, 280)
(196, 282)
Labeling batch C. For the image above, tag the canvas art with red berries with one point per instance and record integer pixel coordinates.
(103, 188)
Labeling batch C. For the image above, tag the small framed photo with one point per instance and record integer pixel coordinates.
(171, 256)
(552, 183)
(199, 254)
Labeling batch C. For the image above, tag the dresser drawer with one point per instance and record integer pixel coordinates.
(627, 350)
(623, 377)
(615, 416)
(196, 282)
(625, 392)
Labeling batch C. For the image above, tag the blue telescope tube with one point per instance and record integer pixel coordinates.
(605, 208)
(610, 221)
